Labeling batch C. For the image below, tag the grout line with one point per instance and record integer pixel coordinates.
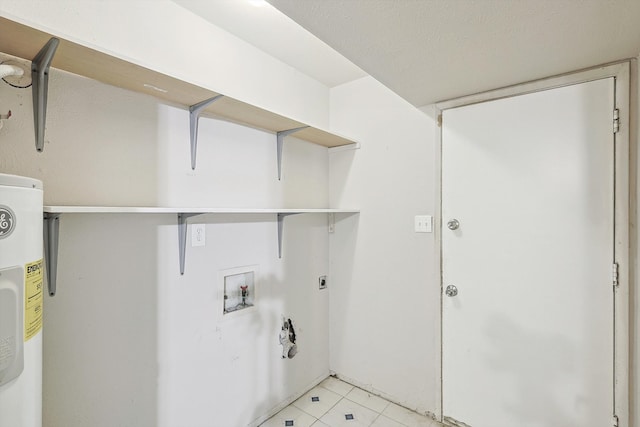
(334, 405)
(327, 411)
(371, 395)
(376, 418)
(326, 388)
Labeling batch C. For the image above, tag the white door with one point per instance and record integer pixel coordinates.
(528, 339)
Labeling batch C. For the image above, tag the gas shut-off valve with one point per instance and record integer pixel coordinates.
(288, 339)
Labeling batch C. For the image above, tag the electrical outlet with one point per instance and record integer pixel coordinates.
(198, 235)
(423, 224)
(322, 282)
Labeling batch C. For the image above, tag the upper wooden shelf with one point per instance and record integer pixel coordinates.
(24, 42)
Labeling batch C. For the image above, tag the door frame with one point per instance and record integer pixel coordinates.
(625, 73)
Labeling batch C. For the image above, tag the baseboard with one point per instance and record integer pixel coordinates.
(376, 392)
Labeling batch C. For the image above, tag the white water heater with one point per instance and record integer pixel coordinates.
(21, 299)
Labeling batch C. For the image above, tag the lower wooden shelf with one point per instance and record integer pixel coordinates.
(52, 225)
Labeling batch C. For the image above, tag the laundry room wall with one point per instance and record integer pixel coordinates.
(128, 340)
(385, 296)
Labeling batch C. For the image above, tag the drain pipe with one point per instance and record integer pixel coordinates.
(10, 70)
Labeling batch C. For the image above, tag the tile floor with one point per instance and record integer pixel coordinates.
(335, 403)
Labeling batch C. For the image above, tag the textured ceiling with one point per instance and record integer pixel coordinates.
(259, 24)
(433, 50)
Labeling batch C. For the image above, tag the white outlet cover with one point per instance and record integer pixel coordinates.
(423, 224)
(198, 235)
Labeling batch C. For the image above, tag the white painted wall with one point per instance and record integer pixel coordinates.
(385, 291)
(130, 342)
(160, 35)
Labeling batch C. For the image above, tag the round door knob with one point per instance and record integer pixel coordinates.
(453, 224)
(451, 291)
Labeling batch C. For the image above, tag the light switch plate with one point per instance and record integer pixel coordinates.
(423, 224)
(198, 235)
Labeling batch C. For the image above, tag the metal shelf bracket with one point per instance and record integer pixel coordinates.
(40, 88)
(51, 231)
(182, 236)
(280, 142)
(194, 115)
(281, 217)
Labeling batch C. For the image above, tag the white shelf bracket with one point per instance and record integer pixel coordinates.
(281, 217)
(182, 236)
(194, 115)
(280, 142)
(51, 231)
(40, 88)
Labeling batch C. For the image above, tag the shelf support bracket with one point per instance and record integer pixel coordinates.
(280, 142)
(51, 231)
(40, 88)
(281, 217)
(182, 236)
(194, 115)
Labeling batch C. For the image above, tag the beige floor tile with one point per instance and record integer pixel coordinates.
(383, 421)
(290, 413)
(336, 386)
(367, 400)
(335, 399)
(338, 415)
(326, 399)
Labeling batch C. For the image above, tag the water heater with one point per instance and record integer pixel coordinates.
(21, 299)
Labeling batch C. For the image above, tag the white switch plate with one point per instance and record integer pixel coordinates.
(198, 235)
(423, 224)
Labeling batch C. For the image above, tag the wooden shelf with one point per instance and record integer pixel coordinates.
(52, 225)
(24, 42)
(172, 210)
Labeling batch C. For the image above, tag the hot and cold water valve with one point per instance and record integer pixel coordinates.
(288, 339)
(239, 291)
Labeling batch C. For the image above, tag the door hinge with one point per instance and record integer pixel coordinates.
(615, 275)
(439, 120)
(616, 120)
(616, 421)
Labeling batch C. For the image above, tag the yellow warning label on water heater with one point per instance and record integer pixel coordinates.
(33, 287)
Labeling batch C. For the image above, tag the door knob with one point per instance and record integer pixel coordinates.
(453, 224)
(451, 291)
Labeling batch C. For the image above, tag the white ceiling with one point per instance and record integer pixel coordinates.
(433, 50)
(260, 24)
